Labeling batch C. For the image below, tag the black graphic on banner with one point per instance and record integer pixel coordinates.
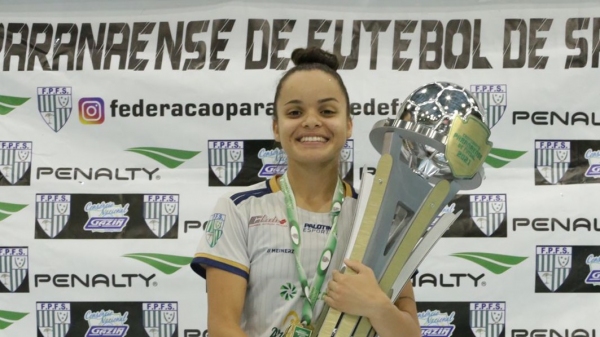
(462, 319)
(115, 319)
(15, 163)
(483, 215)
(204, 44)
(567, 269)
(247, 162)
(14, 270)
(564, 162)
(106, 216)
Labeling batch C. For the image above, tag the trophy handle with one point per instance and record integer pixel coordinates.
(384, 167)
(427, 212)
(418, 254)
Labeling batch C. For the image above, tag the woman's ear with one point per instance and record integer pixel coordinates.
(276, 131)
(349, 127)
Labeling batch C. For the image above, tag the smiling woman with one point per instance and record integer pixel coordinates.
(270, 246)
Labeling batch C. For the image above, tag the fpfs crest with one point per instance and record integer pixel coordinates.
(487, 318)
(347, 158)
(14, 266)
(161, 212)
(488, 211)
(52, 212)
(552, 159)
(15, 160)
(226, 159)
(53, 318)
(493, 98)
(160, 319)
(553, 265)
(55, 105)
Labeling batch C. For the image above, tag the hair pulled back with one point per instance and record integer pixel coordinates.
(313, 58)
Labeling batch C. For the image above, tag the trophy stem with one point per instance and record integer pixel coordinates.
(330, 325)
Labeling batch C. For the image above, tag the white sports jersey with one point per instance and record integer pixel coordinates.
(248, 235)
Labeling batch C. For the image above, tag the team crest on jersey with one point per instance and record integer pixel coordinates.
(53, 319)
(274, 162)
(225, 159)
(52, 212)
(493, 98)
(593, 158)
(106, 323)
(214, 228)
(160, 319)
(488, 211)
(436, 323)
(55, 105)
(487, 319)
(14, 266)
(553, 265)
(15, 160)
(161, 212)
(347, 158)
(552, 159)
(594, 276)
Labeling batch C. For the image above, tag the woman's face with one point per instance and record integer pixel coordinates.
(312, 119)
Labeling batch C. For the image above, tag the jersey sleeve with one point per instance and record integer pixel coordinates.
(224, 243)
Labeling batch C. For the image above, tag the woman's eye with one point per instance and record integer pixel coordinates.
(294, 113)
(328, 112)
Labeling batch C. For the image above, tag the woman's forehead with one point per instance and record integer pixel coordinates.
(311, 84)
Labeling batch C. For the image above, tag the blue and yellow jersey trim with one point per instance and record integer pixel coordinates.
(202, 259)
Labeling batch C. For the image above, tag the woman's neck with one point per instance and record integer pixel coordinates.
(313, 186)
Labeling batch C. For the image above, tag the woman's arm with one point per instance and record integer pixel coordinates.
(360, 295)
(226, 296)
(389, 319)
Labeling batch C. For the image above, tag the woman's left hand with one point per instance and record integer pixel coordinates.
(355, 294)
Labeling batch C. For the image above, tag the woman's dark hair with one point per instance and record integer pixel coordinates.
(313, 58)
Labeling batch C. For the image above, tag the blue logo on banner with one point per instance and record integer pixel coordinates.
(106, 323)
(106, 217)
(594, 275)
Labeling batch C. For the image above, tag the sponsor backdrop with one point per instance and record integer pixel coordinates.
(120, 128)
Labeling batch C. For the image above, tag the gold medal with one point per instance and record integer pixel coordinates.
(297, 329)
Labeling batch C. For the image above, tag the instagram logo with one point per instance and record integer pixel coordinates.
(91, 110)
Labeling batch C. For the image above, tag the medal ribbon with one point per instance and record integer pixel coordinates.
(311, 293)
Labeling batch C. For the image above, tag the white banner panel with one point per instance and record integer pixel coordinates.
(119, 129)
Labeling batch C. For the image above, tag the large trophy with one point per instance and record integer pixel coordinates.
(434, 148)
